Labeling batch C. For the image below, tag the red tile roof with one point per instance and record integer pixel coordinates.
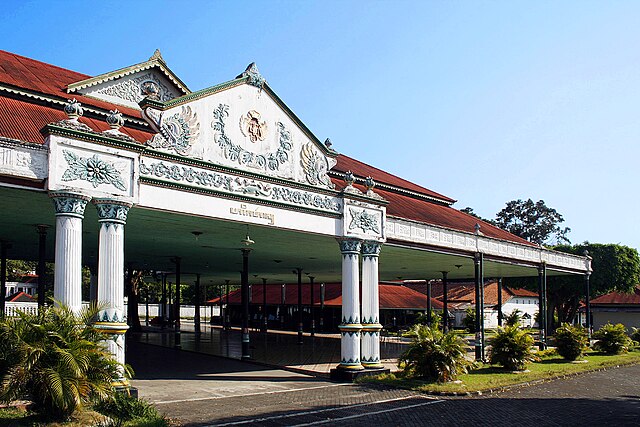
(23, 120)
(20, 297)
(619, 298)
(27, 73)
(391, 296)
(364, 170)
(466, 293)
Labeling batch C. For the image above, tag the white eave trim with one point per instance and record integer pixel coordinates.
(406, 230)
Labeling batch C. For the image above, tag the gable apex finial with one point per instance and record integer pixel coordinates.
(156, 55)
(255, 78)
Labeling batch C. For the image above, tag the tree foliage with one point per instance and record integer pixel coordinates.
(535, 222)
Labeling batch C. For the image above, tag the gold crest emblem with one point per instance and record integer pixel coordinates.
(252, 127)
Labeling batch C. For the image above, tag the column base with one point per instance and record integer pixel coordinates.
(342, 375)
(374, 365)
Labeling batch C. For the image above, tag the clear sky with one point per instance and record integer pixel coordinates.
(483, 101)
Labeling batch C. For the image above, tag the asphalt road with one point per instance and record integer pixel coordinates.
(206, 390)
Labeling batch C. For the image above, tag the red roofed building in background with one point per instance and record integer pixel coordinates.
(616, 307)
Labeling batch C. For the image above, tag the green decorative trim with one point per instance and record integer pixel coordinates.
(236, 153)
(364, 221)
(350, 246)
(233, 184)
(221, 194)
(95, 137)
(92, 169)
(111, 211)
(159, 105)
(350, 327)
(371, 359)
(221, 168)
(69, 204)
(351, 321)
(350, 361)
(371, 248)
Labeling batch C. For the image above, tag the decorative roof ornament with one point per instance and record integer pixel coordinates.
(349, 178)
(255, 78)
(369, 183)
(328, 143)
(477, 228)
(73, 109)
(115, 119)
(150, 89)
(156, 55)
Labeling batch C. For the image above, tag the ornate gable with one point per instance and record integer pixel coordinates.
(241, 125)
(130, 85)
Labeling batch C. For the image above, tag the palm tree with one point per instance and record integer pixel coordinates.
(434, 354)
(56, 359)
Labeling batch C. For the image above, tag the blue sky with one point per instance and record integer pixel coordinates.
(484, 101)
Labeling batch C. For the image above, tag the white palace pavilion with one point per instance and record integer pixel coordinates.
(131, 167)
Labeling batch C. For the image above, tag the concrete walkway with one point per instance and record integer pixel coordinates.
(317, 356)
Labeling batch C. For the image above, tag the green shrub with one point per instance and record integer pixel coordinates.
(123, 407)
(469, 320)
(434, 355)
(511, 348)
(612, 339)
(56, 359)
(513, 318)
(571, 341)
(436, 319)
(635, 334)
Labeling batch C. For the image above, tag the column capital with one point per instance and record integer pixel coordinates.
(350, 246)
(68, 203)
(112, 211)
(371, 248)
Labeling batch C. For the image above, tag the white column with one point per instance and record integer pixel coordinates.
(67, 283)
(112, 216)
(370, 306)
(350, 326)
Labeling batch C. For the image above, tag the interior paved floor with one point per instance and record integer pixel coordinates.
(316, 356)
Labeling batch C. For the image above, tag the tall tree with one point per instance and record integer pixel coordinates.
(535, 222)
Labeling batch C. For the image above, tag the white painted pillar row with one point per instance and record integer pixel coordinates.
(112, 216)
(370, 306)
(350, 327)
(67, 283)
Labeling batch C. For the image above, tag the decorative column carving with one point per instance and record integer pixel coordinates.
(350, 327)
(67, 282)
(370, 306)
(112, 216)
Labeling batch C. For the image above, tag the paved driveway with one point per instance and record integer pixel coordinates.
(205, 390)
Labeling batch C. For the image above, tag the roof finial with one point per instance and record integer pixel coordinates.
(156, 55)
(255, 78)
(73, 109)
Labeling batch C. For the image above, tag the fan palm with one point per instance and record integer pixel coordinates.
(56, 359)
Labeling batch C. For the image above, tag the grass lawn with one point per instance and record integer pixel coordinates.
(489, 377)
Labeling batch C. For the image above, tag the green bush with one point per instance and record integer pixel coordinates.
(56, 359)
(612, 339)
(123, 407)
(513, 318)
(436, 319)
(469, 320)
(434, 355)
(511, 348)
(635, 334)
(571, 341)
